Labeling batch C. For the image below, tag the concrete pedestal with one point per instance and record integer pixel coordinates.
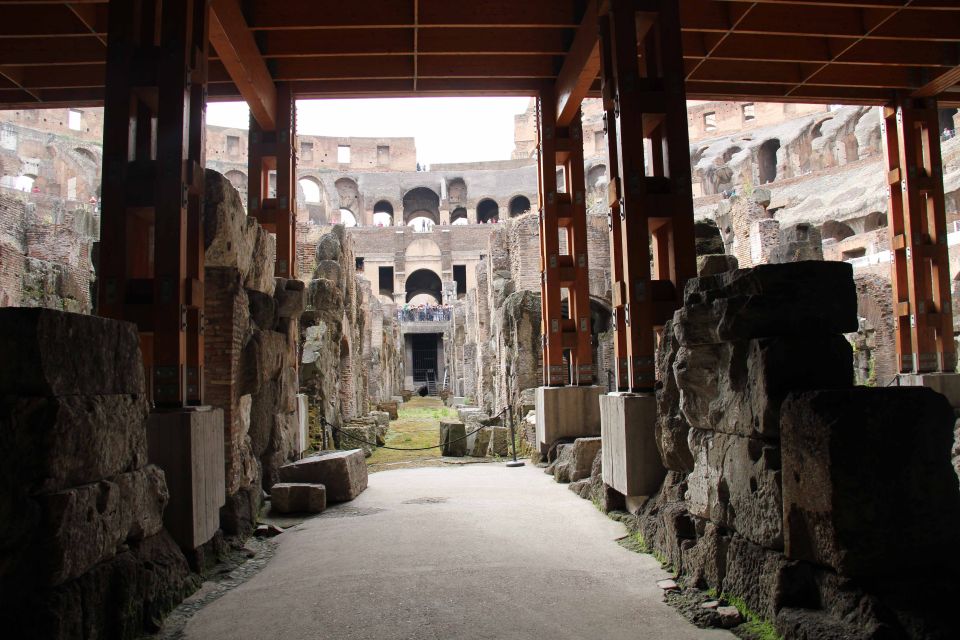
(188, 445)
(567, 412)
(303, 424)
(631, 461)
(947, 384)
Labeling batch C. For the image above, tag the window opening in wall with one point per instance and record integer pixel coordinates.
(347, 218)
(306, 151)
(519, 206)
(386, 281)
(458, 216)
(460, 276)
(311, 190)
(853, 254)
(599, 142)
(75, 119)
(710, 121)
(488, 212)
(343, 154)
(767, 159)
(359, 264)
(71, 188)
(383, 156)
(233, 145)
(749, 112)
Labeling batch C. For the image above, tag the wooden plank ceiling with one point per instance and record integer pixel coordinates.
(52, 53)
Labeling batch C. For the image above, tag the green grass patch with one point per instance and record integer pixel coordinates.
(417, 426)
(754, 626)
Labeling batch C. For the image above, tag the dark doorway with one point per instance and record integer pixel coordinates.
(767, 159)
(386, 281)
(423, 349)
(460, 276)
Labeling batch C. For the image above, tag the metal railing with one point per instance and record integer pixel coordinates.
(425, 313)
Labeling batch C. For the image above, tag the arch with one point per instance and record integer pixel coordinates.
(311, 189)
(459, 216)
(817, 130)
(457, 191)
(424, 282)
(698, 155)
(488, 211)
(874, 220)
(349, 194)
(729, 153)
(421, 223)
(347, 218)
(421, 202)
(87, 154)
(519, 205)
(238, 179)
(767, 160)
(834, 230)
(422, 249)
(597, 176)
(383, 214)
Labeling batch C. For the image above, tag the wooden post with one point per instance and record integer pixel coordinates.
(920, 272)
(152, 245)
(650, 189)
(563, 212)
(273, 153)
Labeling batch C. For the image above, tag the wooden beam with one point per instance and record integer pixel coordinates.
(580, 67)
(939, 85)
(238, 52)
(87, 14)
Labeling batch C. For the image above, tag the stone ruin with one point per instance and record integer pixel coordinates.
(829, 509)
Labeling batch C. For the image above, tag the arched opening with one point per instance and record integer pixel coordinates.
(817, 130)
(347, 218)
(729, 153)
(519, 205)
(421, 223)
(946, 121)
(488, 211)
(423, 286)
(834, 230)
(421, 202)
(458, 216)
(383, 214)
(767, 160)
(25, 182)
(311, 190)
(457, 191)
(875, 220)
(86, 154)
(349, 194)
(698, 155)
(597, 177)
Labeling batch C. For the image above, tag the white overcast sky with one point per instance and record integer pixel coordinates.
(446, 129)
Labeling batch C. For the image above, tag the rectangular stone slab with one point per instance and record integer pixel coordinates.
(53, 353)
(343, 473)
(631, 461)
(567, 412)
(453, 440)
(298, 497)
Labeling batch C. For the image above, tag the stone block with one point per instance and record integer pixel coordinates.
(736, 483)
(567, 412)
(358, 435)
(263, 310)
(390, 408)
(707, 237)
(230, 236)
(499, 442)
(453, 441)
(480, 443)
(946, 384)
(705, 563)
(343, 473)
(712, 264)
(576, 460)
(798, 242)
(84, 525)
(52, 353)
(262, 263)
(672, 427)
(631, 460)
(328, 270)
(52, 443)
(868, 485)
(298, 497)
(382, 418)
(759, 576)
(796, 299)
(290, 302)
(188, 446)
(738, 387)
(329, 248)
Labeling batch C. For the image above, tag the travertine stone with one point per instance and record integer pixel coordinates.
(712, 264)
(481, 443)
(453, 440)
(298, 497)
(343, 473)
(567, 412)
(631, 461)
(576, 460)
(499, 442)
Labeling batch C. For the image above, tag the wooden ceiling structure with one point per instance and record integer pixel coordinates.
(53, 53)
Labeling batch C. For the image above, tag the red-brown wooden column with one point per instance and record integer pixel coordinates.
(152, 242)
(269, 152)
(649, 176)
(566, 212)
(920, 271)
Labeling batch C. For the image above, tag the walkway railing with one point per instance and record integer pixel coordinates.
(431, 313)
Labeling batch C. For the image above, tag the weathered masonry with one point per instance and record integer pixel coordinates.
(780, 484)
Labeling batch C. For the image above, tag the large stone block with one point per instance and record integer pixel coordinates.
(260, 276)
(672, 427)
(576, 460)
(736, 483)
(343, 473)
(298, 497)
(85, 525)
(263, 310)
(759, 576)
(480, 443)
(390, 408)
(52, 443)
(869, 489)
(711, 265)
(290, 302)
(453, 439)
(52, 353)
(631, 460)
(738, 387)
(567, 412)
(230, 236)
(796, 299)
(357, 434)
(499, 442)
(705, 563)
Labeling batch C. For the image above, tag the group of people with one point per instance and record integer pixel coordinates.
(424, 313)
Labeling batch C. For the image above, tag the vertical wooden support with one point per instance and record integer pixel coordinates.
(650, 189)
(152, 246)
(271, 196)
(563, 212)
(920, 271)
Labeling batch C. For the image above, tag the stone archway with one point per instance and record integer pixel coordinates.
(519, 205)
(421, 202)
(424, 282)
(383, 214)
(767, 160)
(488, 211)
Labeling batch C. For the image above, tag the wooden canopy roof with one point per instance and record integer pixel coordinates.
(53, 53)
